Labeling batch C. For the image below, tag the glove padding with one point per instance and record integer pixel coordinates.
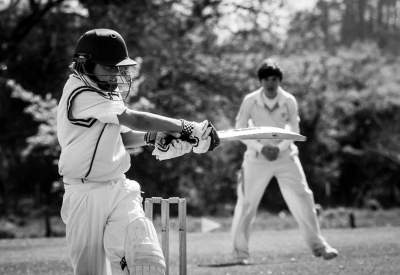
(165, 148)
(202, 135)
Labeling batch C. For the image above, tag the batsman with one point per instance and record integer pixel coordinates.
(106, 229)
(271, 105)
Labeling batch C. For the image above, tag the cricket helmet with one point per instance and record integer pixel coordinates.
(269, 68)
(103, 46)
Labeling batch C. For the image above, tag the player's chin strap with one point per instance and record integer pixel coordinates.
(76, 68)
(123, 87)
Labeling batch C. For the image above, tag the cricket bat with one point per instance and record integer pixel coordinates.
(259, 133)
(256, 133)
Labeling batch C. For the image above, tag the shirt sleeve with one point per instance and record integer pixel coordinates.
(293, 123)
(91, 104)
(294, 118)
(125, 129)
(242, 121)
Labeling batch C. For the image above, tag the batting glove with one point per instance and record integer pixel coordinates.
(202, 135)
(165, 148)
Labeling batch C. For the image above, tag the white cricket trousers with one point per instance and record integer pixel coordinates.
(257, 173)
(96, 217)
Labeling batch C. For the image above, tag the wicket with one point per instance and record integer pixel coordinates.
(148, 209)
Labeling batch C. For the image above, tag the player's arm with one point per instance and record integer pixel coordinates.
(294, 118)
(162, 151)
(133, 139)
(293, 123)
(242, 121)
(203, 135)
(144, 121)
(90, 105)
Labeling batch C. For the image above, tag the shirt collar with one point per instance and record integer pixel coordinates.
(86, 81)
(260, 100)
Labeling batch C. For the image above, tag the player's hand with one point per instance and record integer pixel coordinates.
(168, 148)
(203, 135)
(270, 152)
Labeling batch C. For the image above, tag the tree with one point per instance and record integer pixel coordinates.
(31, 56)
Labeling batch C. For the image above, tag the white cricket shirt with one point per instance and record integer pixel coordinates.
(89, 133)
(282, 113)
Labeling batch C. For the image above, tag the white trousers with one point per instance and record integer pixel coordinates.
(96, 217)
(257, 173)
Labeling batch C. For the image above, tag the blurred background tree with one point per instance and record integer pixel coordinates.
(199, 59)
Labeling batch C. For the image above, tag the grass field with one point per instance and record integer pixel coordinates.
(374, 250)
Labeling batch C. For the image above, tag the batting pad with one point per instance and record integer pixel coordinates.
(147, 270)
(143, 253)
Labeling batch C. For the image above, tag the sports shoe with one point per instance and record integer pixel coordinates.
(327, 252)
(243, 261)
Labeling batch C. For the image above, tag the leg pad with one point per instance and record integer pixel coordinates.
(142, 248)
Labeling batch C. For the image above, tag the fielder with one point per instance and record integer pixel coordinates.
(106, 229)
(270, 105)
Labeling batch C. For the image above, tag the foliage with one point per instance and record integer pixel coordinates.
(198, 65)
(347, 100)
(43, 111)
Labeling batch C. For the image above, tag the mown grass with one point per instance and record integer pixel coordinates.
(330, 218)
(362, 251)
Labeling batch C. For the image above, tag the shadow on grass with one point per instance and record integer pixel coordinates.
(230, 263)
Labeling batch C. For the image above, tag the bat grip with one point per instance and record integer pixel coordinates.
(168, 139)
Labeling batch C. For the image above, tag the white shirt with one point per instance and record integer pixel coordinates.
(89, 133)
(270, 103)
(282, 112)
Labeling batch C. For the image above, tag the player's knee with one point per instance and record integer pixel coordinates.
(301, 190)
(249, 208)
(142, 248)
(307, 192)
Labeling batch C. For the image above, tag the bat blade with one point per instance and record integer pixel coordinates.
(259, 133)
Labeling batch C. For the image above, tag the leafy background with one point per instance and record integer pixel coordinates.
(199, 59)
